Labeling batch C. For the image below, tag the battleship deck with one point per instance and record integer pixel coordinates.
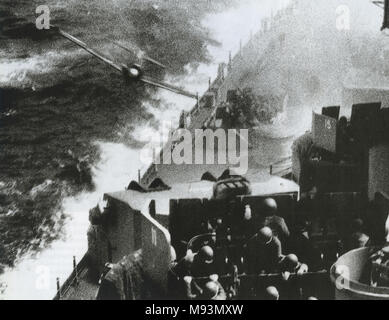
(79, 285)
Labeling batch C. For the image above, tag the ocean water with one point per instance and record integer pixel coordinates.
(70, 129)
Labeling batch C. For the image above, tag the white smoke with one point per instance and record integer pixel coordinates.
(19, 72)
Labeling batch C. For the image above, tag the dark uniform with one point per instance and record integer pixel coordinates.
(273, 221)
(199, 265)
(264, 253)
(278, 225)
(195, 269)
(212, 290)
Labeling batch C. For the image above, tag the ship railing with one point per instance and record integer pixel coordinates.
(215, 84)
(237, 58)
(73, 279)
(266, 275)
(282, 167)
(309, 284)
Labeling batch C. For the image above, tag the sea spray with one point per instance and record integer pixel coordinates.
(34, 276)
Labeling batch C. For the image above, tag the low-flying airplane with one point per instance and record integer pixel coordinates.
(132, 73)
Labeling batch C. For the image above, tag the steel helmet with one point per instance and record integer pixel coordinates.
(265, 235)
(271, 293)
(270, 206)
(211, 290)
(206, 254)
(291, 261)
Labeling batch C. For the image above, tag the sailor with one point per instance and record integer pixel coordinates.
(301, 244)
(196, 264)
(212, 290)
(273, 221)
(264, 252)
(290, 264)
(249, 223)
(203, 263)
(291, 287)
(175, 282)
(376, 271)
(192, 289)
(192, 266)
(357, 239)
(303, 148)
(271, 294)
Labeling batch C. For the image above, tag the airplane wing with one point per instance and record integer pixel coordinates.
(167, 86)
(154, 61)
(88, 49)
(119, 68)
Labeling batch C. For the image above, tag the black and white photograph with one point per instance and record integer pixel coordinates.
(194, 150)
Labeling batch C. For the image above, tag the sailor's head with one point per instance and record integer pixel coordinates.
(265, 235)
(211, 289)
(291, 262)
(270, 206)
(205, 255)
(271, 293)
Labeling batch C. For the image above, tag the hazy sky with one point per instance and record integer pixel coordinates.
(237, 23)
